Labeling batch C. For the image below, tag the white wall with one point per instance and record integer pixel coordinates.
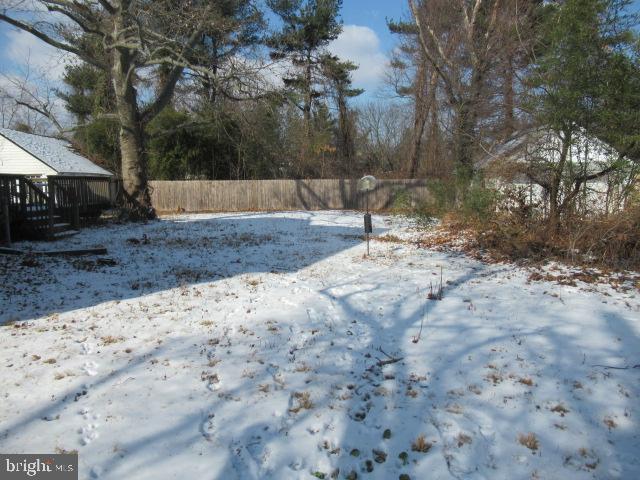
(14, 160)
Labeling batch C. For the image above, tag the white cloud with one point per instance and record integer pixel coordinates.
(30, 71)
(361, 45)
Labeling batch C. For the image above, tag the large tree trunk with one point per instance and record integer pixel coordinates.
(420, 115)
(134, 161)
(345, 141)
(556, 208)
(465, 135)
(509, 97)
(308, 97)
(463, 142)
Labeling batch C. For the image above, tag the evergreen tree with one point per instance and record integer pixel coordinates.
(338, 74)
(307, 29)
(585, 82)
(89, 97)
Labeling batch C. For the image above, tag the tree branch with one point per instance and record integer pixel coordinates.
(42, 111)
(107, 6)
(54, 43)
(453, 99)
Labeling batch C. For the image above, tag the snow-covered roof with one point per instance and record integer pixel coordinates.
(543, 144)
(57, 154)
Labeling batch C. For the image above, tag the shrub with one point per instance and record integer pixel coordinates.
(610, 241)
(477, 205)
(480, 203)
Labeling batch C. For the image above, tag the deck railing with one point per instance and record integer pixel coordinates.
(31, 207)
(27, 207)
(80, 199)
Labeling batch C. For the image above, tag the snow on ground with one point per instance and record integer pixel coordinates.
(265, 346)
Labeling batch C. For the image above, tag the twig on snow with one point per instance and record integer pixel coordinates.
(382, 363)
(617, 368)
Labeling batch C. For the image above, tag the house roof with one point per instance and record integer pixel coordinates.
(542, 142)
(57, 154)
(513, 147)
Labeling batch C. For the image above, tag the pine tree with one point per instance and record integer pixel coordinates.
(585, 82)
(338, 74)
(307, 29)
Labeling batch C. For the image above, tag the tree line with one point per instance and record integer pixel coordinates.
(210, 90)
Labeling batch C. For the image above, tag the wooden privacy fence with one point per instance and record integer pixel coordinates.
(275, 195)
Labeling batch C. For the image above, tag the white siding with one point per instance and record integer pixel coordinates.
(14, 160)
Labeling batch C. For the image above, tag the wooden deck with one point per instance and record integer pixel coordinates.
(40, 208)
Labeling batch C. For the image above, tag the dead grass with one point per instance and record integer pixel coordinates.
(610, 423)
(530, 441)
(244, 240)
(302, 367)
(494, 377)
(604, 242)
(463, 439)
(389, 239)
(190, 275)
(110, 340)
(421, 445)
(304, 402)
(561, 409)
(601, 241)
(62, 451)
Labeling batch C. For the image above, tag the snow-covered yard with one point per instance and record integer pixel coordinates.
(265, 346)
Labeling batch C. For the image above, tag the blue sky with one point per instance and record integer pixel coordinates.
(365, 40)
(373, 14)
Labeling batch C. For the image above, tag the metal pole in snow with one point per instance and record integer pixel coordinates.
(365, 185)
(367, 194)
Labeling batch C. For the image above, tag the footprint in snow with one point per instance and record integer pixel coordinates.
(207, 428)
(87, 348)
(243, 462)
(214, 385)
(96, 472)
(89, 433)
(90, 368)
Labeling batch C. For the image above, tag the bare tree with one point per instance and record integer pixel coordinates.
(383, 131)
(459, 70)
(30, 96)
(136, 38)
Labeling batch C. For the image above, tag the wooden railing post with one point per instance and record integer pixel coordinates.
(22, 185)
(6, 222)
(75, 210)
(51, 202)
